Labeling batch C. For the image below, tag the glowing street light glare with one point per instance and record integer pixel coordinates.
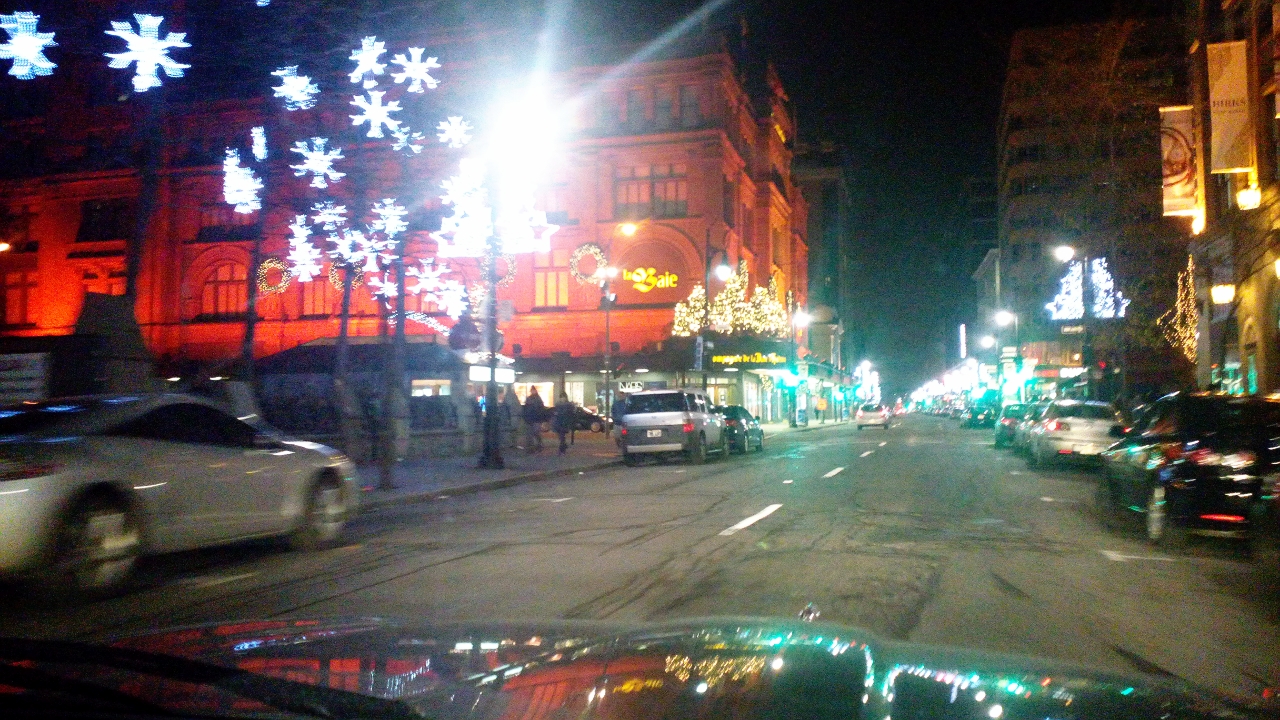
(1004, 318)
(987, 342)
(723, 272)
(802, 319)
(628, 229)
(1222, 294)
(1064, 253)
(611, 272)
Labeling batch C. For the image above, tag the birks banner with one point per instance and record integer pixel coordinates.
(1229, 116)
(1178, 159)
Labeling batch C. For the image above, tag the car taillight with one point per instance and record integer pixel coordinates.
(1056, 426)
(859, 413)
(1223, 518)
(688, 427)
(730, 421)
(1206, 457)
(1007, 421)
(16, 470)
(623, 431)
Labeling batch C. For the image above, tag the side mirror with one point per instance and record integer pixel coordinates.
(1117, 431)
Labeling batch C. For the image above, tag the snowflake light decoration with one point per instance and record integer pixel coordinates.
(239, 186)
(407, 141)
(298, 91)
(345, 242)
(369, 248)
(317, 159)
(371, 48)
(390, 218)
(525, 230)
(1108, 302)
(375, 113)
(448, 295)
(147, 50)
(467, 230)
(454, 132)
(328, 215)
(303, 256)
(415, 69)
(1068, 304)
(25, 47)
(259, 137)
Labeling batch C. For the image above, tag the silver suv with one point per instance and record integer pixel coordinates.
(671, 421)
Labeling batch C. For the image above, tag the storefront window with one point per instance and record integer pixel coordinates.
(431, 388)
(545, 389)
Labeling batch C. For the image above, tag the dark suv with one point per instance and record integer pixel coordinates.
(1195, 462)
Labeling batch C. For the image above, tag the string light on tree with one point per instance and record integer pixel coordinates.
(1180, 324)
(298, 91)
(239, 185)
(25, 47)
(317, 159)
(147, 51)
(1068, 304)
(1108, 301)
(416, 70)
(303, 257)
(690, 313)
(375, 113)
(258, 136)
(366, 57)
(454, 132)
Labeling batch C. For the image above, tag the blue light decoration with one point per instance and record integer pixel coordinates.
(147, 50)
(25, 47)
(1108, 302)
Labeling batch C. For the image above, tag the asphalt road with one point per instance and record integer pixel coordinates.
(923, 531)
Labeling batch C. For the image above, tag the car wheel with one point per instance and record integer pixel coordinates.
(724, 446)
(324, 517)
(697, 454)
(98, 547)
(1161, 529)
(597, 426)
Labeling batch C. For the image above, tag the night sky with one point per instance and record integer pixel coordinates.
(913, 89)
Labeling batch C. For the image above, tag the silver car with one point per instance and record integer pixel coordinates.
(671, 421)
(1071, 429)
(87, 485)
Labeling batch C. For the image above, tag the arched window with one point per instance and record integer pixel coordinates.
(224, 293)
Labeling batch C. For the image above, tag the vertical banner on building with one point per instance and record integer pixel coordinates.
(1178, 160)
(1230, 122)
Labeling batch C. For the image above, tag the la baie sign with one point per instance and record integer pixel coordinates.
(756, 358)
(646, 279)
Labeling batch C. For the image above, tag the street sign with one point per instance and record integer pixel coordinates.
(506, 310)
(697, 353)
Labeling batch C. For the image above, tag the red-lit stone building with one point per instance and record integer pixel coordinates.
(692, 152)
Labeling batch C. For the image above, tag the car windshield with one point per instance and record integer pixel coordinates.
(1014, 411)
(655, 403)
(1085, 412)
(870, 407)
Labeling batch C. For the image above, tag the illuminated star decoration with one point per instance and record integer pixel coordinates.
(298, 91)
(455, 132)
(371, 48)
(375, 113)
(466, 231)
(317, 159)
(259, 135)
(407, 140)
(147, 50)
(303, 256)
(415, 69)
(25, 47)
(328, 215)
(239, 186)
(1068, 304)
(1108, 302)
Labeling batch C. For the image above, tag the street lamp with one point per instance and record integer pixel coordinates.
(1064, 253)
(723, 271)
(1004, 318)
(987, 342)
(604, 275)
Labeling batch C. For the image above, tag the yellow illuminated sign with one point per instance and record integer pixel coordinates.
(646, 279)
(758, 358)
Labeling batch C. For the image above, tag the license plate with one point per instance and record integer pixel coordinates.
(654, 433)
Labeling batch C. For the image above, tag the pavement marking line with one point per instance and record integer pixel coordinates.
(552, 500)
(884, 443)
(1120, 557)
(787, 482)
(866, 453)
(212, 582)
(834, 473)
(748, 522)
(1046, 498)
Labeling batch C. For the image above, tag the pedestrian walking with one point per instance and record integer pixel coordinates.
(532, 414)
(562, 420)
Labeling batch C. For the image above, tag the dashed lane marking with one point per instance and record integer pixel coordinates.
(884, 443)
(866, 453)
(834, 473)
(748, 522)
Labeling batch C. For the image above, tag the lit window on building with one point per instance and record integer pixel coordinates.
(690, 110)
(663, 108)
(104, 282)
(19, 305)
(224, 292)
(107, 220)
(317, 297)
(660, 191)
(219, 223)
(551, 279)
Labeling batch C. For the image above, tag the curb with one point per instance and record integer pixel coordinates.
(375, 503)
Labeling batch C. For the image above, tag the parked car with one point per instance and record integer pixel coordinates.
(873, 414)
(741, 428)
(584, 419)
(91, 483)
(981, 416)
(1197, 463)
(1007, 423)
(1072, 429)
(671, 421)
(1022, 434)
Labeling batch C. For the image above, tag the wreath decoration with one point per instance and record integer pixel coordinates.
(510, 276)
(335, 275)
(589, 249)
(265, 286)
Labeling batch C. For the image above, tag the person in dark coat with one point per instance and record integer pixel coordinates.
(532, 414)
(562, 420)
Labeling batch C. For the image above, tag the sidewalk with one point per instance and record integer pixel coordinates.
(427, 479)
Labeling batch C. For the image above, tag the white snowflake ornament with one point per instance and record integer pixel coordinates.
(328, 215)
(415, 69)
(371, 48)
(390, 214)
(239, 185)
(384, 286)
(375, 113)
(25, 47)
(467, 230)
(298, 91)
(407, 141)
(147, 50)
(317, 159)
(303, 257)
(454, 132)
(258, 136)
